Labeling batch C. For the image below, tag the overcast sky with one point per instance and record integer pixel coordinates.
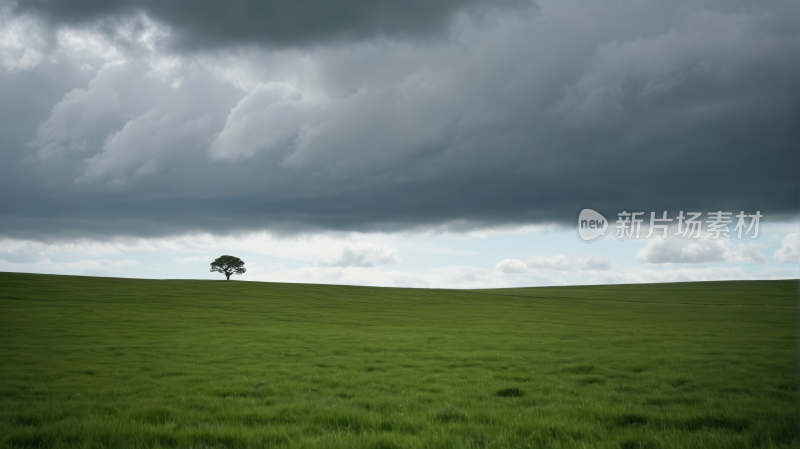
(362, 128)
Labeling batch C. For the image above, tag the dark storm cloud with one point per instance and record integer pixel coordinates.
(513, 120)
(214, 23)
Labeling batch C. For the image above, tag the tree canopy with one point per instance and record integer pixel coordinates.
(228, 265)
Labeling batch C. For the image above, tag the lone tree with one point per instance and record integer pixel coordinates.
(228, 265)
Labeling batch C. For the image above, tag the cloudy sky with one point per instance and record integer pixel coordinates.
(416, 143)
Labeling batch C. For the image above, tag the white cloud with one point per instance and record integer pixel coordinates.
(686, 274)
(468, 277)
(561, 263)
(183, 260)
(87, 46)
(790, 249)
(511, 266)
(300, 247)
(20, 44)
(342, 276)
(555, 263)
(352, 259)
(442, 277)
(361, 254)
(91, 267)
(135, 38)
(595, 263)
(674, 250)
(462, 276)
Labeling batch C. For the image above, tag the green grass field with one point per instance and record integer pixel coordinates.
(103, 362)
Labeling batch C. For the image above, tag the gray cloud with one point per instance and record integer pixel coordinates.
(511, 266)
(690, 251)
(559, 263)
(357, 255)
(511, 119)
(213, 24)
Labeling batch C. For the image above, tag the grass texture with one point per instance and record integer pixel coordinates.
(106, 363)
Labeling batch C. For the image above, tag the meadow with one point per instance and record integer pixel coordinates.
(129, 363)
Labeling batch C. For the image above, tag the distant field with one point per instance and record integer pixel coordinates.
(102, 362)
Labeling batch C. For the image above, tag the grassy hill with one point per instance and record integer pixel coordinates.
(103, 362)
